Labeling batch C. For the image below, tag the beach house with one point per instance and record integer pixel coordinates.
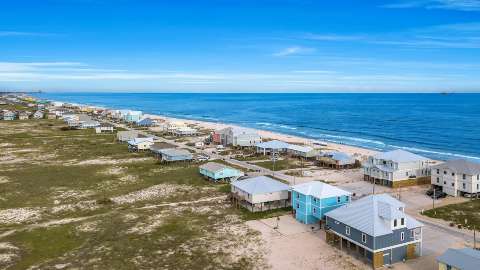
(260, 193)
(127, 135)
(270, 147)
(459, 259)
(236, 136)
(457, 177)
(377, 229)
(397, 168)
(132, 116)
(173, 155)
(302, 151)
(145, 122)
(8, 115)
(38, 115)
(184, 131)
(311, 200)
(51, 115)
(219, 172)
(23, 115)
(104, 128)
(336, 160)
(140, 144)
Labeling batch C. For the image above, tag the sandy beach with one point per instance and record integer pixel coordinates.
(352, 150)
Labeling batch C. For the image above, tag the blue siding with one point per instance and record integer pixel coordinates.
(309, 209)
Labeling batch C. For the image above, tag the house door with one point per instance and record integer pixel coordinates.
(386, 258)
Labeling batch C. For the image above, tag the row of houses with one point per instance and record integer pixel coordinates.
(374, 227)
(8, 115)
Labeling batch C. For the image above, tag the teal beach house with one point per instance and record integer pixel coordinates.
(219, 172)
(311, 200)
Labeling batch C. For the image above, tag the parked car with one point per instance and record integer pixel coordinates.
(439, 195)
(430, 191)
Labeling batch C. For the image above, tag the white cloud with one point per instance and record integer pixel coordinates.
(294, 50)
(462, 5)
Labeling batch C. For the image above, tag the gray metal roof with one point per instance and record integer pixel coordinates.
(273, 145)
(400, 155)
(463, 259)
(175, 152)
(460, 166)
(214, 167)
(369, 214)
(320, 190)
(260, 185)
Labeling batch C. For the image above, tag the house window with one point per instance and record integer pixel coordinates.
(453, 184)
(347, 230)
(464, 186)
(314, 199)
(402, 236)
(402, 221)
(406, 173)
(478, 176)
(444, 182)
(298, 205)
(444, 172)
(477, 186)
(412, 234)
(438, 171)
(338, 199)
(394, 223)
(464, 176)
(314, 210)
(364, 238)
(298, 195)
(453, 174)
(438, 179)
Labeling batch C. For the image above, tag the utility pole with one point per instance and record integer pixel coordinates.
(474, 238)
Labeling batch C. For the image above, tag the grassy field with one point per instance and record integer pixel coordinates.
(457, 213)
(284, 164)
(75, 199)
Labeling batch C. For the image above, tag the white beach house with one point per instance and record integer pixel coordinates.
(397, 168)
(457, 177)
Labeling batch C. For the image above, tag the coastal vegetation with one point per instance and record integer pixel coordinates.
(76, 199)
(461, 214)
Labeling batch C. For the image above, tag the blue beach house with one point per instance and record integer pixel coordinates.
(311, 200)
(218, 172)
(133, 116)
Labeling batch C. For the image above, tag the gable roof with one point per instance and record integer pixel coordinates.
(464, 259)
(400, 155)
(300, 148)
(320, 190)
(460, 166)
(275, 144)
(372, 214)
(136, 141)
(340, 156)
(175, 152)
(215, 167)
(260, 185)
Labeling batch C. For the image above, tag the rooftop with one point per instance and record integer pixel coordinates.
(372, 214)
(460, 166)
(320, 190)
(400, 155)
(464, 259)
(214, 167)
(273, 145)
(260, 185)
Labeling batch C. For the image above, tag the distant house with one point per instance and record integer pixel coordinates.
(377, 229)
(8, 115)
(172, 155)
(158, 146)
(140, 144)
(272, 147)
(459, 259)
(311, 200)
(38, 115)
(85, 121)
(301, 151)
(397, 168)
(236, 136)
(133, 116)
(51, 115)
(23, 115)
(219, 172)
(457, 177)
(145, 122)
(127, 135)
(104, 128)
(336, 160)
(260, 193)
(184, 131)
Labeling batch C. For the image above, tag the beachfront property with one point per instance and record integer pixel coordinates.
(306, 152)
(38, 115)
(457, 177)
(260, 193)
(170, 127)
(397, 168)
(219, 172)
(23, 115)
(140, 144)
(270, 147)
(311, 200)
(173, 155)
(377, 229)
(86, 121)
(336, 160)
(236, 136)
(104, 128)
(8, 115)
(146, 122)
(184, 131)
(133, 116)
(459, 259)
(127, 135)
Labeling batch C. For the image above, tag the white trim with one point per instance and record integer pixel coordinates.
(376, 250)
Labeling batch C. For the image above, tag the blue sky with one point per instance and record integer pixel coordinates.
(231, 46)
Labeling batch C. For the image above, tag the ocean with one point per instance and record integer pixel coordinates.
(434, 125)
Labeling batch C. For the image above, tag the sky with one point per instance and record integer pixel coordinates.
(240, 45)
